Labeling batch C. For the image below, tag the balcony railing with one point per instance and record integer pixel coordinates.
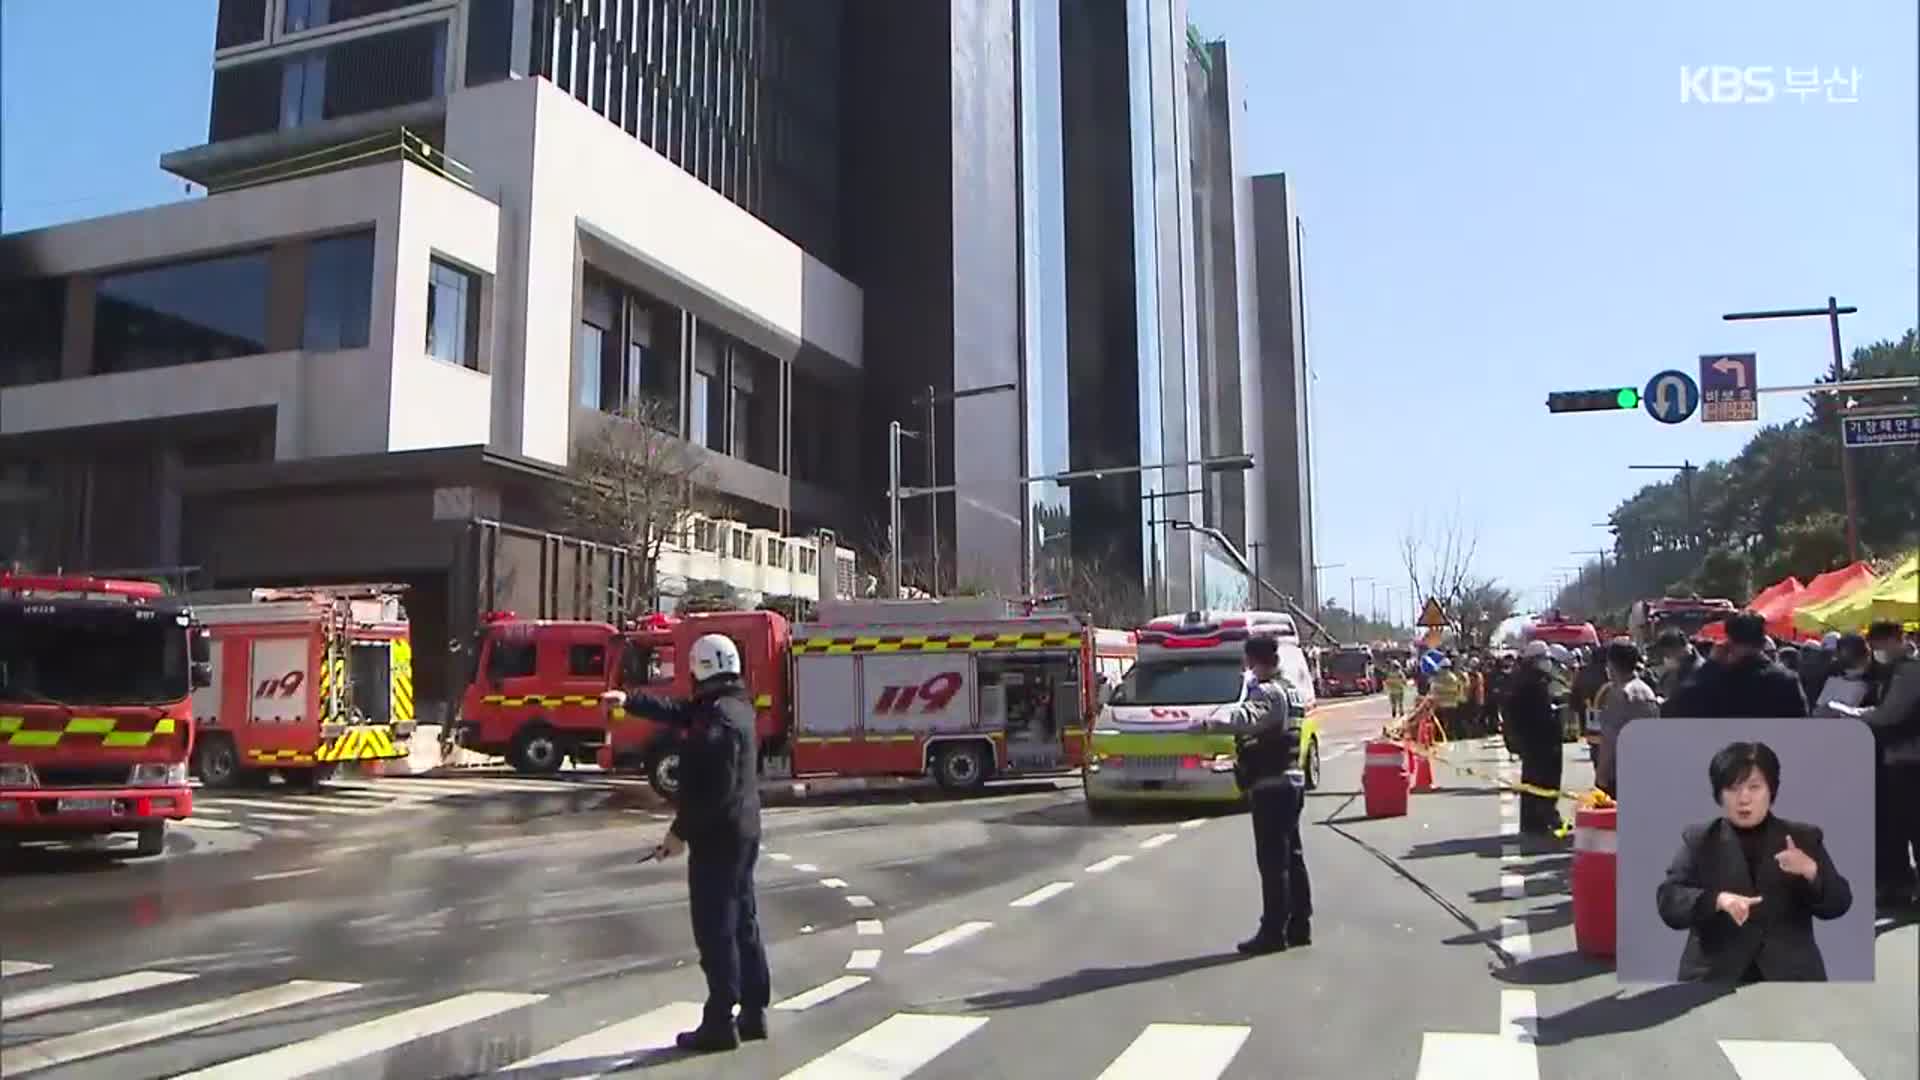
(398, 144)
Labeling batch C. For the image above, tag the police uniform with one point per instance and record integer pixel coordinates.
(1268, 759)
(719, 819)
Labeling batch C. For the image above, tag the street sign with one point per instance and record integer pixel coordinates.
(1881, 430)
(1431, 615)
(1728, 382)
(1671, 397)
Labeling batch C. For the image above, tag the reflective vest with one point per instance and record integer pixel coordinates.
(1446, 690)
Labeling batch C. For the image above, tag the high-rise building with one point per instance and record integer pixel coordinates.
(1285, 391)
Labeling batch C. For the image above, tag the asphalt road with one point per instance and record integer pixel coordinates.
(509, 932)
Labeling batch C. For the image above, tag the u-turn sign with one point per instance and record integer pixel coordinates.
(1671, 397)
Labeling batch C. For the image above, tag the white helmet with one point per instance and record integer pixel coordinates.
(1535, 650)
(714, 655)
(1560, 654)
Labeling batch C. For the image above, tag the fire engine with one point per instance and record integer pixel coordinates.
(962, 690)
(95, 726)
(1555, 629)
(304, 680)
(1690, 614)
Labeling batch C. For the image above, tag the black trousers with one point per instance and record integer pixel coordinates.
(1286, 893)
(726, 928)
(1540, 762)
(1897, 824)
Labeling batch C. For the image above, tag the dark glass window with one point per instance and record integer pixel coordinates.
(246, 100)
(489, 41)
(181, 313)
(240, 22)
(339, 292)
(33, 316)
(385, 70)
(510, 659)
(587, 660)
(453, 314)
(308, 14)
(303, 90)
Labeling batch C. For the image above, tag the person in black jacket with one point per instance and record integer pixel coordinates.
(1267, 765)
(1533, 721)
(1747, 886)
(718, 824)
(1745, 685)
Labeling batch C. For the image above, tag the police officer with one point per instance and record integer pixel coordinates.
(1268, 760)
(719, 826)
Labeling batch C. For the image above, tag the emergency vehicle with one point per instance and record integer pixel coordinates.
(1691, 614)
(962, 690)
(304, 680)
(95, 726)
(1167, 732)
(534, 698)
(1349, 669)
(1555, 629)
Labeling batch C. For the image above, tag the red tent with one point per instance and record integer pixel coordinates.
(1777, 602)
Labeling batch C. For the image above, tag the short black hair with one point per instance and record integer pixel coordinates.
(1747, 628)
(1623, 655)
(1262, 650)
(1737, 760)
(1883, 629)
(1851, 645)
(1672, 640)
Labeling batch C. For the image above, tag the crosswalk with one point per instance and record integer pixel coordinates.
(169, 1016)
(341, 803)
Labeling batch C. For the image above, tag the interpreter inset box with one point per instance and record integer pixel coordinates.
(1745, 851)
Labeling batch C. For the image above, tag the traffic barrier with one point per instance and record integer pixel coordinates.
(1423, 762)
(1385, 778)
(1595, 844)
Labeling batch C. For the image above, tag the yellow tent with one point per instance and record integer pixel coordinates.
(1897, 596)
(1850, 610)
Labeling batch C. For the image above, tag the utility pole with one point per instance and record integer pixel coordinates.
(932, 400)
(1686, 470)
(1353, 603)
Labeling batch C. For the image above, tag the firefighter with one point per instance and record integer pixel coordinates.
(1396, 688)
(1449, 690)
(719, 827)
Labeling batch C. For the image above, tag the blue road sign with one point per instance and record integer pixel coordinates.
(1727, 382)
(1881, 430)
(1671, 397)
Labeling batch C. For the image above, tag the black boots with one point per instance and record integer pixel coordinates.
(752, 1026)
(712, 1038)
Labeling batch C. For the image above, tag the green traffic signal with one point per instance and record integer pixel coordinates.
(1608, 400)
(1628, 398)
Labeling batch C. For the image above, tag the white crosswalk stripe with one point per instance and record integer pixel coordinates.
(892, 1049)
(1196, 1051)
(20, 1006)
(364, 1040)
(10, 968)
(618, 1044)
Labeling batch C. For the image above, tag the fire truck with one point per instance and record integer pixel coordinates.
(95, 723)
(1556, 629)
(962, 690)
(1689, 613)
(304, 680)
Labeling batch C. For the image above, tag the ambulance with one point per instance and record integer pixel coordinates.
(1166, 733)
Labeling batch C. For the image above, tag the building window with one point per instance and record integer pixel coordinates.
(303, 90)
(359, 75)
(246, 100)
(808, 559)
(339, 292)
(181, 313)
(309, 14)
(453, 314)
(589, 356)
(706, 536)
(708, 407)
(33, 316)
(240, 22)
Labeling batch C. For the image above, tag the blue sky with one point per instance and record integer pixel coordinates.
(1501, 198)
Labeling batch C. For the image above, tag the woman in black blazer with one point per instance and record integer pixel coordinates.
(1748, 885)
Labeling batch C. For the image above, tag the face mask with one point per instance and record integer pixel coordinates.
(1670, 664)
(1883, 656)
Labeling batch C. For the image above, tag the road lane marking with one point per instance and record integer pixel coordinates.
(859, 901)
(1199, 1051)
(779, 856)
(806, 868)
(1515, 939)
(833, 883)
(1510, 827)
(1042, 894)
(9, 968)
(1193, 823)
(45, 1054)
(948, 937)
(259, 815)
(286, 874)
(320, 804)
(367, 1039)
(1448, 1056)
(868, 927)
(826, 991)
(863, 960)
(1519, 1016)
(616, 1046)
(892, 1049)
(1756, 1059)
(1512, 887)
(74, 993)
(198, 822)
(1152, 842)
(200, 806)
(1108, 863)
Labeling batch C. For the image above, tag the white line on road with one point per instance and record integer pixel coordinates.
(863, 960)
(200, 806)
(347, 1044)
(1196, 1051)
(1193, 823)
(1152, 842)
(833, 883)
(892, 1049)
(1042, 894)
(263, 816)
(1756, 1059)
(286, 874)
(1108, 863)
(806, 868)
(351, 849)
(1448, 1056)
(860, 901)
(868, 928)
(198, 822)
(1519, 1016)
(20, 967)
(1510, 827)
(948, 937)
(15, 1060)
(826, 991)
(1515, 939)
(779, 856)
(617, 1045)
(1512, 886)
(59, 997)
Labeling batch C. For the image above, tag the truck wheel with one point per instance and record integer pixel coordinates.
(960, 768)
(1313, 763)
(663, 773)
(217, 762)
(536, 749)
(307, 780)
(152, 840)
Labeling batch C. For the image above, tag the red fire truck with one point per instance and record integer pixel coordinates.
(535, 694)
(963, 690)
(304, 680)
(95, 726)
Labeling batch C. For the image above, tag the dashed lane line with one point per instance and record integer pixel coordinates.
(1152, 842)
(1042, 894)
(863, 960)
(1108, 863)
(868, 927)
(826, 991)
(949, 937)
(856, 900)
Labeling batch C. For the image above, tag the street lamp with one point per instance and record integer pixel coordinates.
(1318, 592)
(894, 494)
(1353, 602)
(1226, 544)
(932, 400)
(1153, 534)
(1601, 554)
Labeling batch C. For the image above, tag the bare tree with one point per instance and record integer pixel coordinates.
(1438, 558)
(1480, 610)
(634, 484)
(1111, 596)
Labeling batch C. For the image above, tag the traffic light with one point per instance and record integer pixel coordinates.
(1609, 400)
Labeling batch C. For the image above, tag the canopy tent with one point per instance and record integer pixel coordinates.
(1836, 600)
(1897, 597)
(1776, 602)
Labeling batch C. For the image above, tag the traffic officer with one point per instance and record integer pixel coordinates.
(1396, 689)
(1267, 757)
(719, 826)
